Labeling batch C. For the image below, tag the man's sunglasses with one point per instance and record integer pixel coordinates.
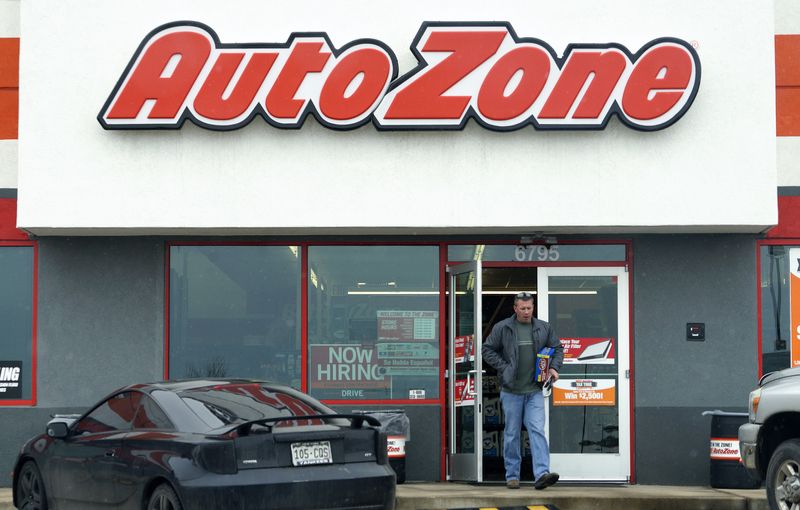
(524, 295)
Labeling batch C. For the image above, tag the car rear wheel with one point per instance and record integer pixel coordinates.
(164, 498)
(783, 477)
(30, 488)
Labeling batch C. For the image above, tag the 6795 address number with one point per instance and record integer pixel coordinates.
(537, 252)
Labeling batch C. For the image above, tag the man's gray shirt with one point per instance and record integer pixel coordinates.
(526, 371)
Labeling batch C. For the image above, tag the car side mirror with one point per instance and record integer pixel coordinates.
(57, 430)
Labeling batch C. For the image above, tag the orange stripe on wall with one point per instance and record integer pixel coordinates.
(787, 60)
(787, 82)
(9, 114)
(9, 62)
(787, 111)
(9, 88)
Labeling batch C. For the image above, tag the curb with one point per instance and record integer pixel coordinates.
(433, 496)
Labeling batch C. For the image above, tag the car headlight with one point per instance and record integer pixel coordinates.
(755, 398)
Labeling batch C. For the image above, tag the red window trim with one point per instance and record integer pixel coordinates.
(760, 243)
(443, 248)
(34, 353)
(441, 401)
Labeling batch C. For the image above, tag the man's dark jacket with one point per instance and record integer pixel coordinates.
(501, 349)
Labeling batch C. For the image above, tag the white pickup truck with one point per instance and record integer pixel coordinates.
(770, 442)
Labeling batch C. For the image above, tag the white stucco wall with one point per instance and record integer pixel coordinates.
(8, 164)
(714, 170)
(9, 27)
(9, 18)
(787, 17)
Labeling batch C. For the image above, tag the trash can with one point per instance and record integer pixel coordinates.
(727, 470)
(397, 427)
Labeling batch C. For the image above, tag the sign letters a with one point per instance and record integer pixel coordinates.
(465, 70)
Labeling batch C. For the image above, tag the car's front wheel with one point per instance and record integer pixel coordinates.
(164, 498)
(783, 476)
(30, 488)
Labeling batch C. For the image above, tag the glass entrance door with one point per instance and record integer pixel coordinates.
(589, 409)
(464, 382)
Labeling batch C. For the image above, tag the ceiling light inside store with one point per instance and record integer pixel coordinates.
(314, 278)
(462, 292)
(552, 293)
(293, 249)
(393, 292)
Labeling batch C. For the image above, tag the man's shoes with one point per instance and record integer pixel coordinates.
(545, 481)
(512, 484)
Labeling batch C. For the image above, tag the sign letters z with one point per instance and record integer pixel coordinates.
(480, 71)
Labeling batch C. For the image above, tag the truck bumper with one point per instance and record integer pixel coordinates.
(748, 440)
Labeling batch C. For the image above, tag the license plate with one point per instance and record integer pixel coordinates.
(306, 454)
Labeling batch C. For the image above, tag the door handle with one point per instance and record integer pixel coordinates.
(111, 453)
(469, 381)
(467, 391)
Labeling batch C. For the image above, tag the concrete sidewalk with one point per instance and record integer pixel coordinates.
(435, 496)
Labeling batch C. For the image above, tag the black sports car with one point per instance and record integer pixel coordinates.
(206, 444)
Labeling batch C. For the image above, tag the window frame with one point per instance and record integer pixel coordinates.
(73, 429)
(442, 333)
(30, 402)
(442, 245)
(146, 397)
(303, 278)
(760, 243)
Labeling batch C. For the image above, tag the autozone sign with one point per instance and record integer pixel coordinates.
(482, 71)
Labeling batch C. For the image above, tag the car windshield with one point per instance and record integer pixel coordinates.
(231, 404)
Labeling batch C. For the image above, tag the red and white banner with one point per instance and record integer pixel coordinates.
(405, 326)
(396, 446)
(725, 448)
(480, 70)
(464, 396)
(794, 299)
(464, 346)
(348, 366)
(588, 351)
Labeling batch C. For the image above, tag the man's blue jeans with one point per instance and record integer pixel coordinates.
(527, 409)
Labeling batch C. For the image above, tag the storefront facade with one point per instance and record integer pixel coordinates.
(304, 199)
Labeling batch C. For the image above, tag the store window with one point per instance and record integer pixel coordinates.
(235, 312)
(776, 304)
(583, 312)
(16, 317)
(373, 322)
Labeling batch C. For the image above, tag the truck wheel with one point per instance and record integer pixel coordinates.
(783, 477)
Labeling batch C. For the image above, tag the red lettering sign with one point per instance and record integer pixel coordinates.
(480, 71)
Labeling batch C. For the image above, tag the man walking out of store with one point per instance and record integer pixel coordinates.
(511, 348)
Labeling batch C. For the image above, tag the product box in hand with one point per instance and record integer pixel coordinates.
(543, 364)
